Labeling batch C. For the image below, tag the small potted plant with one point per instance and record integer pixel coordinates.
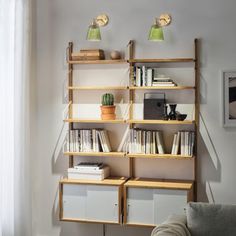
(107, 107)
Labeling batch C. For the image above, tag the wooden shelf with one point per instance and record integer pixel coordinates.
(162, 88)
(99, 62)
(160, 156)
(94, 121)
(98, 87)
(89, 221)
(96, 154)
(162, 184)
(162, 60)
(115, 181)
(161, 122)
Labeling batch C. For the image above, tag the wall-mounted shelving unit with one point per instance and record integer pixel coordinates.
(127, 200)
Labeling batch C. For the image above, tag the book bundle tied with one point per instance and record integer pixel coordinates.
(145, 76)
(145, 142)
(89, 171)
(183, 143)
(88, 54)
(87, 140)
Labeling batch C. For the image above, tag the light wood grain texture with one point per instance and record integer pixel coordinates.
(99, 62)
(60, 201)
(160, 156)
(161, 60)
(140, 225)
(162, 122)
(98, 88)
(167, 184)
(96, 154)
(112, 181)
(125, 204)
(89, 221)
(162, 88)
(94, 121)
(197, 111)
(70, 95)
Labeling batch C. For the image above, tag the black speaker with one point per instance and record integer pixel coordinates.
(153, 106)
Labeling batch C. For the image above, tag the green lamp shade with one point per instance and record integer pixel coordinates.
(93, 33)
(156, 33)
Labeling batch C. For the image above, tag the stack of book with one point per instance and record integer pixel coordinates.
(144, 76)
(183, 143)
(145, 142)
(88, 54)
(89, 171)
(163, 82)
(88, 140)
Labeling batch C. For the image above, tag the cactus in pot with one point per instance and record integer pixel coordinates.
(107, 107)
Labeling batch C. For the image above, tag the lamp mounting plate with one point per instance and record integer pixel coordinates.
(164, 20)
(102, 20)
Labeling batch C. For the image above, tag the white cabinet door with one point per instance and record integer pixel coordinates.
(102, 203)
(140, 206)
(74, 201)
(168, 202)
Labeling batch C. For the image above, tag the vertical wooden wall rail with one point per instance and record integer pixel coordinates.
(131, 100)
(70, 93)
(197, 111)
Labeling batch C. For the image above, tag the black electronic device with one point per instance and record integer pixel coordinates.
(154, 106)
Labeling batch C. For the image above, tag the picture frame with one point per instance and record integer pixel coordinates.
(229, 98)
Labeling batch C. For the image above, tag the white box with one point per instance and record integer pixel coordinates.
(89, 174)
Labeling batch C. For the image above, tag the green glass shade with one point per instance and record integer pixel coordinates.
(94, 33)
(156, 33)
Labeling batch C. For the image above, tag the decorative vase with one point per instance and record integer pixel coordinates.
(108, 112)
(172, 113)
(115, 55)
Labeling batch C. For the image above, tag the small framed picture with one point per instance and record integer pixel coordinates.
(229, 98)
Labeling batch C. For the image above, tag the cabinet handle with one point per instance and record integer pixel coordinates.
(115, 209)
(128, 206)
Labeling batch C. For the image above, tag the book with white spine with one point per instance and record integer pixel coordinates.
(106, 139)
(182, 143)
(138, 76)
(159, 140)
(174, 144)
(186, 143)
(177, 144)
(149, 76)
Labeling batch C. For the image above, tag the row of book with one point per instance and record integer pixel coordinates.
(183, 143)
(144, 76)
(89, 171)
(145, 142)
(88, 140)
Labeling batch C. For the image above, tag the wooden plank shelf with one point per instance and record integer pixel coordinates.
(161, 184)
(98, 62)
(96, 154)
(162, 60)
(161, 88)
(95, 121)
(161, 122)
(98, 87)
(113, 181)
(160, 156)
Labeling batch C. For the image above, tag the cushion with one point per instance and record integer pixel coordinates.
(175, 225)
(205, 219)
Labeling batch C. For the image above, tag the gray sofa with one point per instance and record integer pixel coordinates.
(201, 219)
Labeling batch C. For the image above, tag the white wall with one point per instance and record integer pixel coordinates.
(59, 21)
